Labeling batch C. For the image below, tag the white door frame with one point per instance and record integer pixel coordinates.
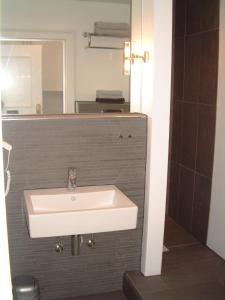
(156, 99)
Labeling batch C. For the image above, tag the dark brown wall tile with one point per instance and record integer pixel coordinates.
(210, 14)
(206, 139)
(202, 15)
(178, 68)
(189, 134)
(201, 205)
(192, 68)
(186, 198)
(173, 193)
(194, 110)
(176, 131)
(180, 17)
(194, 11)
(209, 67)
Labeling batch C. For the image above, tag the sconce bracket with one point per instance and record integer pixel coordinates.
(144, 57)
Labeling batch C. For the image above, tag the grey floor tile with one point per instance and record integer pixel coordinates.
(118, 295)
(190, 271)
(175, 236)
(205, 291)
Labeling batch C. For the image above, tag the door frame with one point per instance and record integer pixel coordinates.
(68, 40)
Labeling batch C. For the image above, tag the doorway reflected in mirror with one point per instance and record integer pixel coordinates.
(32, 77)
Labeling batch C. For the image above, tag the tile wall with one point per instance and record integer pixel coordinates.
(195, 63)
(105, 150)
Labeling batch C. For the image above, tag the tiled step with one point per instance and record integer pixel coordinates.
(138, 287)
(130, 288)
(188, 273)
(152, 288)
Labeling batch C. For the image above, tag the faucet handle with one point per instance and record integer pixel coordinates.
(72, 178)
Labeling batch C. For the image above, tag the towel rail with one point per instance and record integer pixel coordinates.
(90, 35)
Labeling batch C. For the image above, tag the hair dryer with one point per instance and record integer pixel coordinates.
(8, 148)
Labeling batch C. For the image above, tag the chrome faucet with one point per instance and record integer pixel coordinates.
(72, 178)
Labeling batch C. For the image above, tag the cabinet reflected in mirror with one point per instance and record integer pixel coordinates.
(46, 75)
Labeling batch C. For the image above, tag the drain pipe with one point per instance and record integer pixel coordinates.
(76, 243)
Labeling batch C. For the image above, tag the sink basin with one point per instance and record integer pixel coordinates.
(91, 209)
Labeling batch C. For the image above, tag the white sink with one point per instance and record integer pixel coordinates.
(91, 209)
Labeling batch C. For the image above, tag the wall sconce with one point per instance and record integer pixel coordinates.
(130, 57)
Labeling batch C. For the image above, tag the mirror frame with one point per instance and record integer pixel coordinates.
(67, 38)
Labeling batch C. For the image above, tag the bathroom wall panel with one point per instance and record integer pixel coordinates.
(189, 126)
(194, 13)
(210, 14)
(201, 206)
(173, 208)
(209, 67)
(191, 67)
(101, 140)
(186, 189)
(179, 67)
(42, 152)
(193, 119)
(180, 17)
(176, 135)
(205, 141)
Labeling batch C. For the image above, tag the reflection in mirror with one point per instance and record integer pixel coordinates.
(32, 77)
(34, 69)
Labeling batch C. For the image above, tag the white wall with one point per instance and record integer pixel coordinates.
(216, 230)
(5, 276)
(95, 69)
(136, 69)
(156, 97)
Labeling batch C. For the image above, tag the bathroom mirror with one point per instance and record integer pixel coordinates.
(32, 77)
(57, 58)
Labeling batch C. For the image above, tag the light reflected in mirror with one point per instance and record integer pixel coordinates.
(33, 71)
(32, 77)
